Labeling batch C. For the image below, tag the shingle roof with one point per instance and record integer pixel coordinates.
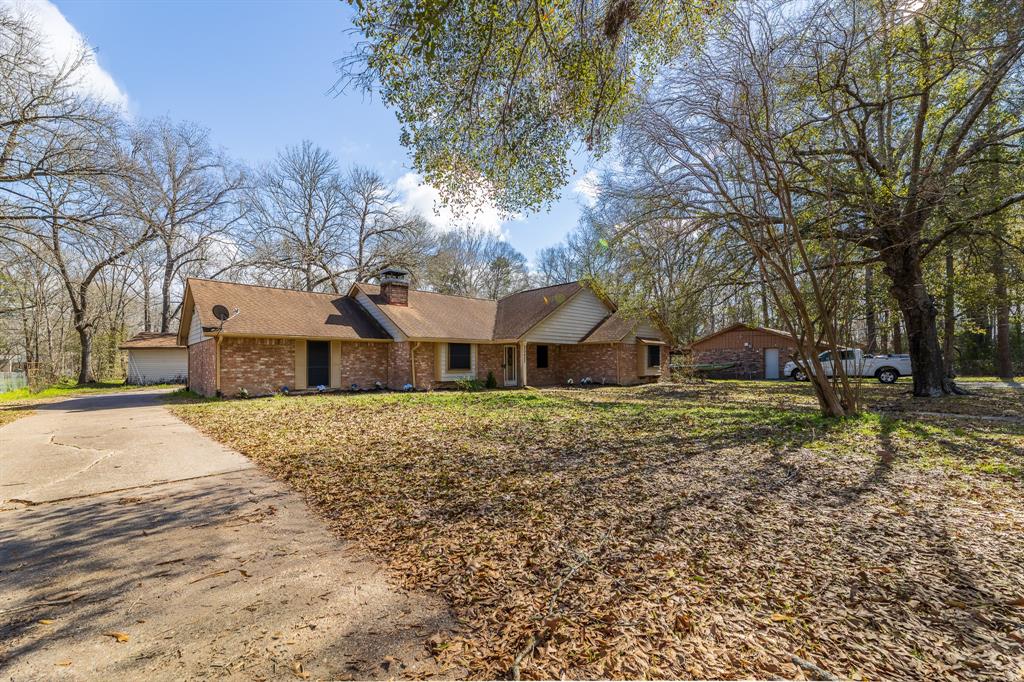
(151, 340)
(518, 313)
(268, 311)
(610, 330)
(438, 316)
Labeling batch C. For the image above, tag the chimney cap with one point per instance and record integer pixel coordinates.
(396, 275)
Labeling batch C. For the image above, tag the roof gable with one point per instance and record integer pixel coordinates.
(430, 315)
(742, 326)
(269, 311)
(151, 340)
(520, 312)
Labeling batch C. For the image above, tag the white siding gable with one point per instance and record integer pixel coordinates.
(377, 314)
(645, 330)
(571, 321)
(195, 330)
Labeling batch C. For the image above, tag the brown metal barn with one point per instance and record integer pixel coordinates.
(744, 351)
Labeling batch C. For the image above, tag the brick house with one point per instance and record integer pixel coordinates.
(747, 351)
(263, 339)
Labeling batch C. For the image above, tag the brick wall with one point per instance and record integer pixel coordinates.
(626, 353)
(426, 366)
(394, 293)
(202, 367)
(749, 363)
(399, 367)
(597, 361)
(364, 363)
(543, 377)
(489, 358)
(261, 366)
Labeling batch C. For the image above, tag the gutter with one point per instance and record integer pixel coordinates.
(412, 363)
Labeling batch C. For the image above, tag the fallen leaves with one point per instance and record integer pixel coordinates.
(669, 531)
(119, 636)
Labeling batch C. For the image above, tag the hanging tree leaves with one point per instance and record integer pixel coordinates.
(493, 96)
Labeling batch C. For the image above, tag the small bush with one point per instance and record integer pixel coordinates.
(469, 384)
(491, 381)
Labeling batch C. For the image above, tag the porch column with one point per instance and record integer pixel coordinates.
(522, 363)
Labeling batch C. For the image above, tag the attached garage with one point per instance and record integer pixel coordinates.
(155, 358)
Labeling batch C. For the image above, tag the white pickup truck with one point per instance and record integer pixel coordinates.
(885, 368)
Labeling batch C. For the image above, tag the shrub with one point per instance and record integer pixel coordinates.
(469, 384)
(491, 381)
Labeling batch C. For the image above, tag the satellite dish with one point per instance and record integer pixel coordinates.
(221, 312)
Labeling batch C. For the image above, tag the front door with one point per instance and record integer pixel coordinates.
(771, 363)
(318, 363)
(511, 366)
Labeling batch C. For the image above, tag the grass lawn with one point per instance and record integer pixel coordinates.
(676, 530)
(18, 403)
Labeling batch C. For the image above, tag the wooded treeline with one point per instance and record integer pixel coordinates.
(103, 219)
(822, 150)
(849, 171)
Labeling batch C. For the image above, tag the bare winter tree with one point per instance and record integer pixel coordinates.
(184, 191)
(556, 264)
(471, 262)
(46, 127)
(295, 208)
(709, 146)
(56, 167)
(318, 227)
(896, 109)
(377, 232)
(73, 225)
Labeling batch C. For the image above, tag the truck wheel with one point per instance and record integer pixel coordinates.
(798, 375)
(887, 375)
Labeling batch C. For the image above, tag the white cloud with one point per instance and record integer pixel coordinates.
(61, 41)
(587, 187)
(425, 199)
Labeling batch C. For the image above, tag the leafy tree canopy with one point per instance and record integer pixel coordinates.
(494, 95)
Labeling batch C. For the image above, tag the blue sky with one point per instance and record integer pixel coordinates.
(257, 74)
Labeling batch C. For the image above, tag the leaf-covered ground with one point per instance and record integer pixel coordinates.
(709, 531)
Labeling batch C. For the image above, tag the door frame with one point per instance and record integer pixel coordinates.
(778, 356)
(511, 377)
(310, 384)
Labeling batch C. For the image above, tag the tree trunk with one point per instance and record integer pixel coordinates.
(147, 318)
(85, 358)
(1004, 361)
(165, 293)
(764, 304)
(897, 335)
(949, 317)
(919, 314)
(884, 333)
(870, 319)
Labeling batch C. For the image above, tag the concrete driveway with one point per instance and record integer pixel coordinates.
(120, 522)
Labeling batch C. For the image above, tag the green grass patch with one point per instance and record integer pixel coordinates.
(67, 389)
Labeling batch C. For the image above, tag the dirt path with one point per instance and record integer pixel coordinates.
(206, 566)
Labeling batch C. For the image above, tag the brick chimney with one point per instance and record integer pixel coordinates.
(394, 286)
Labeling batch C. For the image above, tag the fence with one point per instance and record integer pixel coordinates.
(10, 381)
